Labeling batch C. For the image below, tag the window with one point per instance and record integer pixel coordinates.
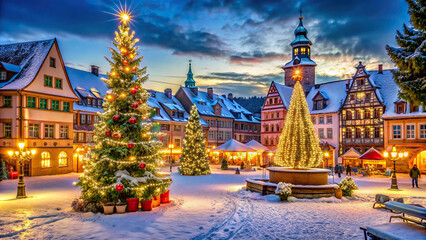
(410, 133)
(220, 135)
(296, 51)
(318, 105)
(74, 137)
(2, 75)
(211, 135)
(174, 113)
(314, 120)
(165, 127)
(367, 114)
(43, 103)
(55, 105)
(308, 51)
(277, 127)
(211, 123)
(278, 115)
(329, 119)
(45, 159)
(367, 133)
(96, 119)
(177, 142)
(63, 159)
(47, 81)
(48, 131)
(377, 132)
(64, 132)
(236, 126)
(7, 130)
(400, 107)
(66, 107)
(82, 119)
(89, 137)
(89, 101)
(31, 102)
(272, 127)
(348, 115)
(80, 137)
(33, 130)
(272, 115)
(89, 119)
(178, 128)
(357, 114)
(302, 50)
(360, 82)
(348, 133)
(100, 103)
(321, 120)
(7, 101)
(329, 133)
(58, 83)
(275, 100)
(352, 97)
(422, 128)
(321, 133)
(227, 135)
(267, 128)
(52, 62)
(357, 132)
(367, 97)
(396, 132)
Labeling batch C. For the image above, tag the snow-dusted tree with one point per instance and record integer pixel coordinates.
(410, 57)
(194, 159)
(126, 155)
(298, 146)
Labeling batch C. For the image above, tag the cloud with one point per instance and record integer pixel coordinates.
(255, 57)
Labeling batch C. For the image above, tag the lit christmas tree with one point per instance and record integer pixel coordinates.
(410, 57)
(299, 145)
(194, 159)
(126, 155)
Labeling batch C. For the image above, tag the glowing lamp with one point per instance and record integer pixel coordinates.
(123, 50)
(385, 154)
(297, 72)
(326, 154)
(113, 73)
(127, 69)
(21, 145)
(10, 153)
(393, 154)
(16, 153)
(405, 154)
(270, 154)
(171, 146)
(131, 56)
(123, 95)
(400, 154)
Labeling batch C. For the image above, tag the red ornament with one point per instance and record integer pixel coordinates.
(119, 187)
(136, 87)
(123, 51)
(116, 135)
(142, 165)
(160, 139)
(108, 133)
(133, 69)
(116, 117)
(134, 91)
(135, 105)
(132, 120)
(125, 62)
(130, 145)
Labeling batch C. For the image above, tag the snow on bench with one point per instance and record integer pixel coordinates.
(406, 209)
(315, 186)
(262, 182)
(399, 230)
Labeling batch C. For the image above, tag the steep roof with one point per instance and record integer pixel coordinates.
(334, 92)
(234, 146)
(372, 154)
(285, 93)
(302, 61)
(257, 146)
(351, 153)
(29, 56)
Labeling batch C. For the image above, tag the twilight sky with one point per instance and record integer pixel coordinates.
(235, 46)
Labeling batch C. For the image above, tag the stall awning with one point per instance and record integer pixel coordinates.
(233, 146)
(372, 154)
(351, 153)
(257, 146)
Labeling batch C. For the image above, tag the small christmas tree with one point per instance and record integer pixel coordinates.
(224, 165)
(194, 159)
(410, 57)
(126, 153)
(298, 146)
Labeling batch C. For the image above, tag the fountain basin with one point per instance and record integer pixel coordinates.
(305, 176)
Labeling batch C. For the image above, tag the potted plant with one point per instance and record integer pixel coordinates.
(283, 190)
(156, 201)
(146, 199)
(109, 208)
(132, 204)
(224, 165)
(165, 196)
(348, 186)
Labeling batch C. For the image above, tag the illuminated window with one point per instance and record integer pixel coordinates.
(63, 159)
(296, 51)
(303, 50)
(45, 159)
(309, 51)
(358, 133)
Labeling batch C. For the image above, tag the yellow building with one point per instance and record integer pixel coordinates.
(36, 105)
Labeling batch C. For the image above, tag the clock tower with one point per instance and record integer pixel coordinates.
(301, 59)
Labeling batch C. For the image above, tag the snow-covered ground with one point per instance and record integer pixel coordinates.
(203, 207)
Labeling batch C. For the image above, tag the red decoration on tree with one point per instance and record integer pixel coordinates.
(130, 145)
(135, 105)
(134, 91)
(136, 87)
(142, 165)
(119, 187)
(116, 117)
(116, 135)
(160, 139)
(132, 120)
(123, 51)
(108, 133)
(125, 62)
(134, 69)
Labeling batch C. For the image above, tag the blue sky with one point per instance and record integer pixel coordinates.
(235, 46)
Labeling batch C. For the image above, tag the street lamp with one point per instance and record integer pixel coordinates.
(326, 155)
(394, 156)
(21, 157)
(171, 146)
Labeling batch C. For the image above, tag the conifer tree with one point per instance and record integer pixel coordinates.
(410, 57)
(298, 146)
(194, 159)
(126, 155)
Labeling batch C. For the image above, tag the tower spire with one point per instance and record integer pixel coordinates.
(190, 82)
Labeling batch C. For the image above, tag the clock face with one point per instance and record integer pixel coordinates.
(361, 72)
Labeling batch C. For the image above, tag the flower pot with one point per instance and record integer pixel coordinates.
(165, 197)
(146, 205)
(120, 208)
(338, 193)
(156, 200)
(132, 204)
(109, 209)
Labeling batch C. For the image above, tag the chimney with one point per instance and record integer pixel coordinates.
(210, 92)
(168, 93)
(380, 69)
(348, 84)
(195, 90)
(230, 97)
(95, 70)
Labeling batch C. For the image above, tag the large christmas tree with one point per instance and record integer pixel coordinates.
(194, 159)
(126, 155)
(410, 57)
(298, 146)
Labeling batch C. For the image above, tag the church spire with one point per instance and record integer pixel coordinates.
(190, 82)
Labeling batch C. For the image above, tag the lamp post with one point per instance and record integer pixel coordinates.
(171, 146)
(21, 157)
(394, 156)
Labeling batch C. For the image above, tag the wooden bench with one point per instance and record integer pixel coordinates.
(261, 186)
(410, 213)
(394, 231)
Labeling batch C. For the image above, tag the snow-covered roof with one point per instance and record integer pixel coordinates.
(388, 91)
(10, 67)
(29, 56)
(334, 92)
(285, 93)
(256, 145)
(351, 153)
(303, 61)
(234, 146)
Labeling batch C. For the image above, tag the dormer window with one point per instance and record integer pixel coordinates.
(89, 101)
(319, 104)
(414, 108)
(174, 113)
(180, 114)
(400, 107)
(2, 75)
(52, 62)
(360, 82)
